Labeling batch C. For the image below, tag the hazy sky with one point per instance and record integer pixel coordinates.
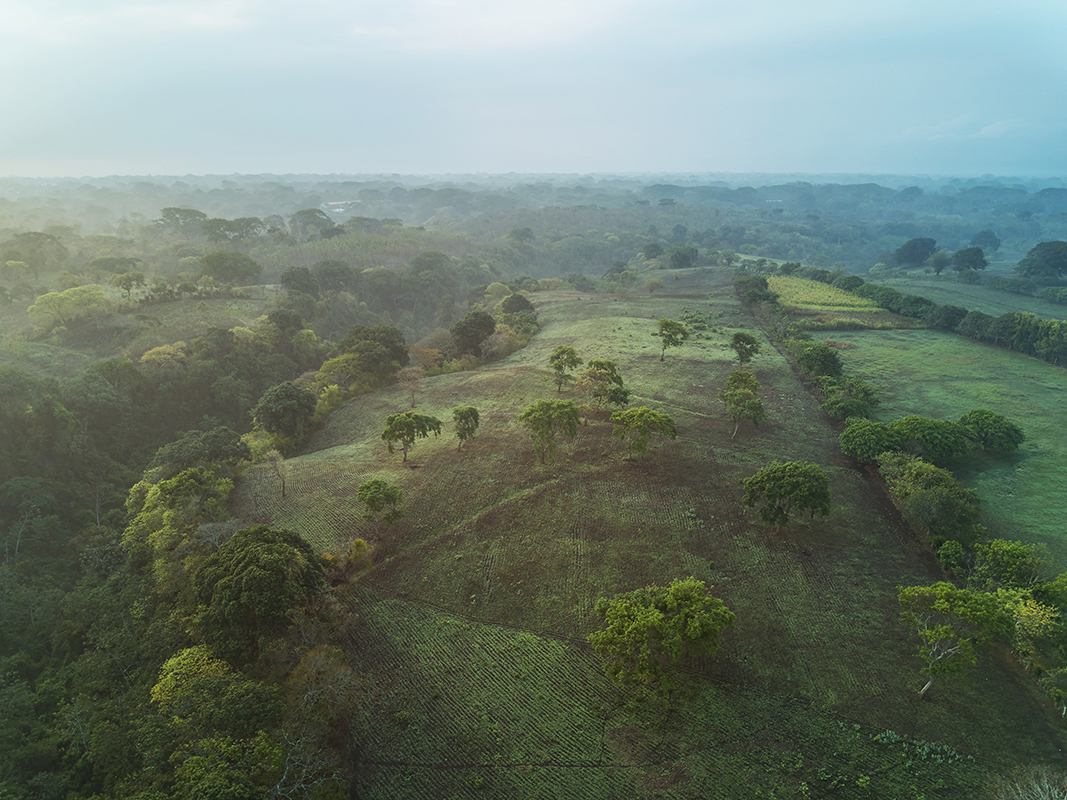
(102, 87)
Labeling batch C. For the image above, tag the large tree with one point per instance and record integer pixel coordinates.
(546, 418)
(648, 631)
(470, 332)
(563, 359)
(1046, 261)
(783, 488)
(915, 251)
(969, 258)
(466, 422)
(671, 334)
(746, 346)
(284, 409)
(404, 429)
(638, 425)
(228, 267)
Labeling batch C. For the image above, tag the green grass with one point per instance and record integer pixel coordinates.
(469, 628)
(944, 376)
(947, 291)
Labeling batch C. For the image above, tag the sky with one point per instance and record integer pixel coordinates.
(180, 87)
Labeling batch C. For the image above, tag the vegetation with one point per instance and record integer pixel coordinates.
(382, 501)
(780, 488)
(405, 429)
(563, 359)
(544, 419)
(741, 397)
(638, 425)
(671, 334)
(466, 422)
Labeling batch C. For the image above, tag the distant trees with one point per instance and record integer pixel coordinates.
(671, 334)
(648, 631)
(783, 488)
(404, 429)
(969, 258)
(1046, 261)
(563, 359)
(544, 419)
(638, 425)
(230, 267)
(915, 251)
(285, 409)
(466, 422)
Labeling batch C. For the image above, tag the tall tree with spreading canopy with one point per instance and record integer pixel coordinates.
(783, 488)
(285, 409)
(404, 429)
(546, 418)
(746, 346)
(638, 425)
(649, 631)
(381, 502)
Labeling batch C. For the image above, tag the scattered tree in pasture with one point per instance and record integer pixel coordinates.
(951, 623)
(638, 425)
(784, 488)
(564, 359)
(939, 261)
(746, 346)
(466, 421)
(403, 429)
(411, 379)
(742, 399)
(818, 359)
(546, 418)
(284, 409)
(649, 631)
(654, 285)
(969, 258)
(382, 501)
(602, 381)
(915, 251)
(127, 281)
(671, 334)
(989, 431)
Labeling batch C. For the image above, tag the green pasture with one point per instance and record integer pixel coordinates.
(470, 626)
(944, 376)
(946, 291)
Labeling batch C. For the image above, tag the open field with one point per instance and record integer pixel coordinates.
(817, 304)
(944, 376)
(469, 629)
(947, 291)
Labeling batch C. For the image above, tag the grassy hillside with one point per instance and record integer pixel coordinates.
(469, 629)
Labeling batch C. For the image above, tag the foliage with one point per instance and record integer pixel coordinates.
(742, 399)
(563, 359)
(284, 409)
(470, 332)
(991, 431)
(783, 488)
(746, 346)
(648, 631)
(79, 304)
(1046, 262)
(466, 422)
(937, 441)
(230, 267)
(671, 334)
(601, 379)
(1005, 564)
(546, 418)
(382, 501)
(404, 429)
(848, 397)
(931, 498)
(817, 359)
(951, 623)
(638, 425)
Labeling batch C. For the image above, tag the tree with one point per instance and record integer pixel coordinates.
(466, 421)
(951, 623)
(382, 501)
(991, 431)
(404, 429)
(601, 379)
(969, 258)
(648, 631)
(284, 409)
(671, 334)
(783, 488)
(746, 346)
(545, 418)
(228, 267)
(939, 260)
(865, 440)
(516, 304)
(652, 250)
(937, 441)
(741, 399)
(469, 333)
(915, 251)
(1046, 261)
(308, 222)
(848, 397)
(563, 360)
(654, 285)
(820, 359)
(638, 425)
(127, 281)
(410, 378)
(186, 221)
(74, 305)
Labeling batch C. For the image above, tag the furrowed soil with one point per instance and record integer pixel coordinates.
(469, 629)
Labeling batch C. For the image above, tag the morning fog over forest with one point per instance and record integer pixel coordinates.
(581, 400)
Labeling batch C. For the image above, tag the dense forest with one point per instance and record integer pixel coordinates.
(163, 337)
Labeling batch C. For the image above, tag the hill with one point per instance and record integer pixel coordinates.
(469, 629)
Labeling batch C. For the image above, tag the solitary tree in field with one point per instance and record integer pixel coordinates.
(563, 360)
(951, 622)
(601, 379)
(746, 346)
(671, 334)
(742, 399)
(410, 378)
(638, 425)
(403, 429)
(545, 418)
(382, 503)
(784, 488)
(466, 420)
(648, 631)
